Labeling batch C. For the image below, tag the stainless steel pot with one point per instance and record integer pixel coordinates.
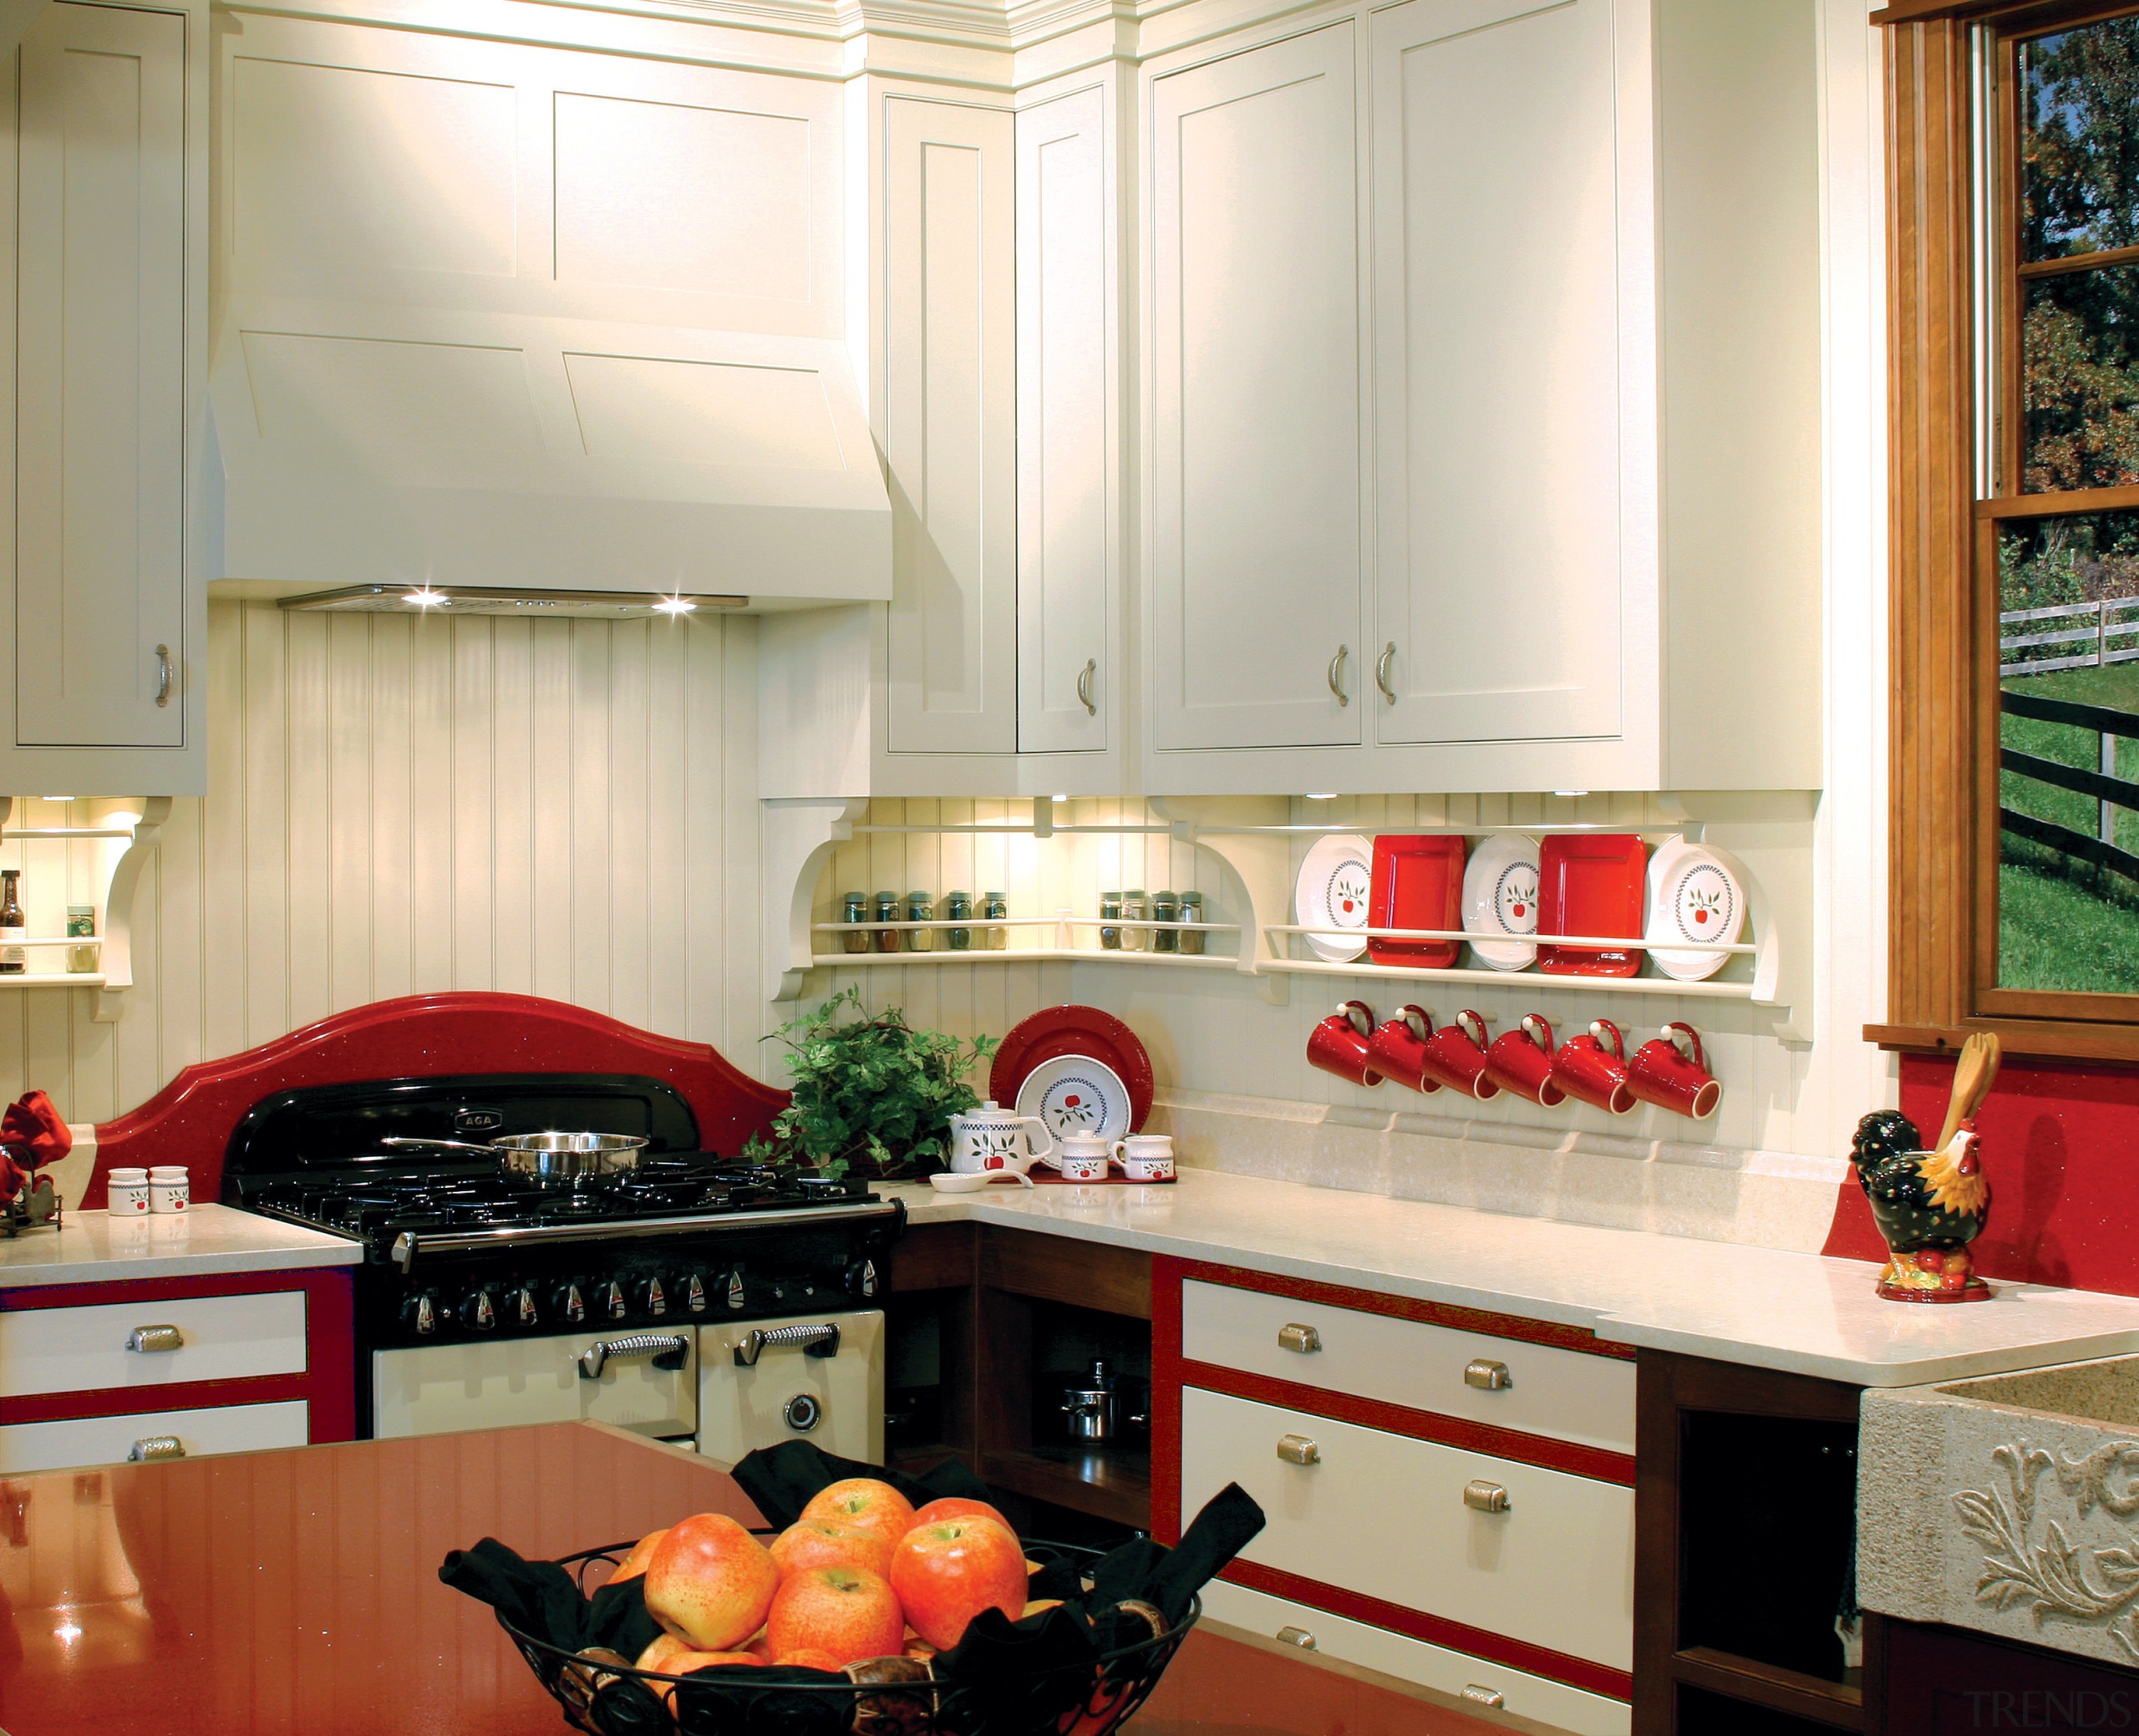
(546, 1159)
(1097, 1409)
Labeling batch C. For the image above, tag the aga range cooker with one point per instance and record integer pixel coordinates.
(693, 1297)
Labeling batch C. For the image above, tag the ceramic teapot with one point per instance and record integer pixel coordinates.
(991, 1138)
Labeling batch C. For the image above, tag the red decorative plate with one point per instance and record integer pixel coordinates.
(1073, 1030)
(1417, 883)
(1592, 883)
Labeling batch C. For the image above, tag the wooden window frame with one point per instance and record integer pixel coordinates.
(1943, 611)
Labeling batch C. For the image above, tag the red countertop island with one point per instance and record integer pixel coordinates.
(298, 1591)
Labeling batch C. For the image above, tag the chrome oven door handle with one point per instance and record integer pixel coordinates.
(814, 1340)
(665, 1350)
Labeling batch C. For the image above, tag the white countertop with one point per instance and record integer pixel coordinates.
(92, 1247)
(1803, 1313)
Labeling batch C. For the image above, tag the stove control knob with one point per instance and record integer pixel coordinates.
(569, 1304)
(653, 1297)
(862, 1280)
(736, 1299)
(419, 1313)
(613, 1301)
(696, 1300)
(521, 1305)
(479, 1313)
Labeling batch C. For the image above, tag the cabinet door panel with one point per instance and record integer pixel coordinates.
(1066, 412)
(950, 428)
(1256, 480)
(100, 380)
(1498, 311)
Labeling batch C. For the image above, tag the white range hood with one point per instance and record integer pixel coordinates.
(497, 460)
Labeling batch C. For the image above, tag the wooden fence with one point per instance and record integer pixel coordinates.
(2046, 633)
(2110, 791)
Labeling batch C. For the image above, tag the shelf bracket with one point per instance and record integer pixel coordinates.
(116, 958)
(797, 838)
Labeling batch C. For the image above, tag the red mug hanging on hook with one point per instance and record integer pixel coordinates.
(1673, 1074)
(1455, 1055)
(1520, 1062)
(1586, 1067)
(1339, 1043)
(1397, 1050)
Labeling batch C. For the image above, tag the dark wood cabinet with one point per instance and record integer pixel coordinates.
(1000, 1318)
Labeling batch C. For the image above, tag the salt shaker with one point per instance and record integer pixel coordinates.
(169, 1189)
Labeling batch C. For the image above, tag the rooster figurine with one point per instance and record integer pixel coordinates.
(1929, 1206)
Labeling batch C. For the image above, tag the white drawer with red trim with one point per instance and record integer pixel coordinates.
(1539, 1558)
(1479, 1682)
(151, 1343)
(1503, 1383)
(151, 1435)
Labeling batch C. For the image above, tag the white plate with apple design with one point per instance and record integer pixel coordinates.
(1331, 892)
(1076, 1093)
(1695, 894)
(1500, 897)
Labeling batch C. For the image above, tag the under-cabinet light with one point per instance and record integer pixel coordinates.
(1570, 792)
(1320, 795)
(425, 598)
(55, 798)
(675, 604)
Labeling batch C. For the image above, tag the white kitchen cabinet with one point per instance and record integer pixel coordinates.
(949, 428)
(107, 615)
(1257, 482)
(1504, 591)
(1067, 666)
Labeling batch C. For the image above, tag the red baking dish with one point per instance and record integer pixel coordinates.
(1591, 883)
(1417, 883)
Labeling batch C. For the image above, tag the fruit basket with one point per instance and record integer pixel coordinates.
(1087, 1696)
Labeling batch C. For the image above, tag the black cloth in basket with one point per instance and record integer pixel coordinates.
(1097, 1654)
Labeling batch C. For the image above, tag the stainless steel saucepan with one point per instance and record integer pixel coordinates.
(546, 1159)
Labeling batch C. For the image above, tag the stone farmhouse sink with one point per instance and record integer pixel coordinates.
(2008, 1504)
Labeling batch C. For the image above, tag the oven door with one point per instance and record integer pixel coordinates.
(614, 1377)
(757, 1389)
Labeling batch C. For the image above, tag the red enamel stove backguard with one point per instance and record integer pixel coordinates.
(2060, 1146)
(190, 1120)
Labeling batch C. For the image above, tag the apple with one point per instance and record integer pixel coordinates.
(818, 1543)
(847, 1613)
(947, 1573)
(810, 1658)
(684, 1663)
(710, 1582)
(634, 1564)
(862, 1504)
(959, 1506)
(661, 1647)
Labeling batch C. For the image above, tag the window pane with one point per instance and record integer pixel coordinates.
(2068, 874)
(2079, 341)
(2080, 140)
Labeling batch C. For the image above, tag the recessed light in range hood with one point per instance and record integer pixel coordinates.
(495, 600)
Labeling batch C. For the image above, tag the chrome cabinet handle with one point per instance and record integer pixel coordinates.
(1337, 675)
(1481, 1496)
(1487, 1375)
(1085, 684)
(1299, 1449)
(1296, 1637)
(1491, 1696)
(1305, 1339)
(155, 1337)
(163, 675)
(814, 1340)
(667, 1350)
(1381, 671)
(153, 1447)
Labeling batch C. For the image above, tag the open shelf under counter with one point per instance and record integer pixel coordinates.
(1110, 1483)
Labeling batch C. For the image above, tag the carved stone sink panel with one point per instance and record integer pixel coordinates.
(2009, 1504)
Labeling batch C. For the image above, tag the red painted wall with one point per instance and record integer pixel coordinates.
(2061, 1145)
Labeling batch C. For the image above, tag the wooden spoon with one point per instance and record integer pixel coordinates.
(1973, 1074)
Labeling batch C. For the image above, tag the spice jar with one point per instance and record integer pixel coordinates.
(1165, 908)
(956, 907)
(1192, 913)
(1110, 911)
(920, 907)
(1133, 910)
(996, 908)
(887, 911)
(854, 909)
(81, 920)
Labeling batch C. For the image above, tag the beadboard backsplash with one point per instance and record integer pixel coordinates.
(399, 803)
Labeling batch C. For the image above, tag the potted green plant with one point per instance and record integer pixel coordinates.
(869, 1092)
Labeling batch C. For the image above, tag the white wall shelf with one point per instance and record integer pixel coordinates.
(126, 835)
